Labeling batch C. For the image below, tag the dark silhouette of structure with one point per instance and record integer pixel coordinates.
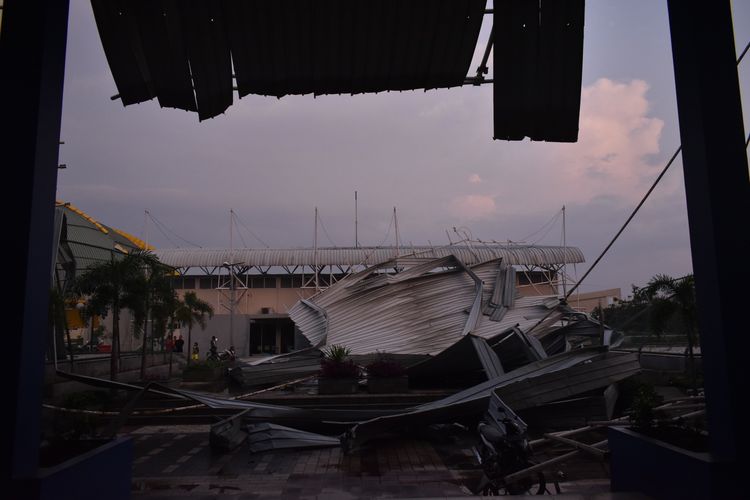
(32, 59)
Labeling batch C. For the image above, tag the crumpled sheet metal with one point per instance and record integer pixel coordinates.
(266, 436)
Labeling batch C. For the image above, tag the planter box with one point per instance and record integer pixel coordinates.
(204, 375)
(388, 385)
(104, 471)
(663, 470)
(338, 385)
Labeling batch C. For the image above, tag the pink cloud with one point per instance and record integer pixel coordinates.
(615, 138)
(611, 160)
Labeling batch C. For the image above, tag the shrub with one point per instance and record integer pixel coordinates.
(74, 426)
(336, 365)
(336, 353)
(385, 367)
(642, 414)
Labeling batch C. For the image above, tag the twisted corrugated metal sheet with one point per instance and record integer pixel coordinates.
(415, 311)
(470, 255)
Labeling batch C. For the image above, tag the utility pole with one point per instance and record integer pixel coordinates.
(315, 251)
(398, 240)
(356, 236)
(565, 254)
(232, 298)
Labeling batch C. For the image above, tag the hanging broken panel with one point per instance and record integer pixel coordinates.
(118, 30)
(538, 60)
(208, 51)
(160, 29)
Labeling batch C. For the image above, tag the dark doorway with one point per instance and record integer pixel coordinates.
(271, 336)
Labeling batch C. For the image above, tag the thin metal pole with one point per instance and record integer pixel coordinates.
(565, 253)
(398, 240)
(231, 278)
(145, 226)
(315, 251)
(356, 235)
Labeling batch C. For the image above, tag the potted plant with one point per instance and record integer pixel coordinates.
(385, 375)
(659, 457)
(338, 373)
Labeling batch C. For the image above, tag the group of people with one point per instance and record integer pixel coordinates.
(176, 345)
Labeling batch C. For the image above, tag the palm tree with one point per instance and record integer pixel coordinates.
(157, 297)
(672, 307)
(193, 310)
(112, 286)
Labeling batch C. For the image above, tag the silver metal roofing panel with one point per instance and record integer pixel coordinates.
(266, 436)
(511, 254)
(602, 371)
(413, 313)
(470, 400)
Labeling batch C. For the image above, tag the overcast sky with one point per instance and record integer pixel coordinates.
(430, 154)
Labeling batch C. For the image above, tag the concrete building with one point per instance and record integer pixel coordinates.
(252, 290)
(588, 301)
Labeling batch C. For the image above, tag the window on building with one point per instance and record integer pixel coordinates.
(263, 282)
(205, 283)
(528, 277)
(286, 282)
(187, 283)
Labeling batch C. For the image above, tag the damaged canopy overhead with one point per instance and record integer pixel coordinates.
(192, 54)
(424, 306)
(187, 53)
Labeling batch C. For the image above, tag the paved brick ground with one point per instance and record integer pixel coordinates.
(177, 462)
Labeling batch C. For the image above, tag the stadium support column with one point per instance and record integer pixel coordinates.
(32, 64)
(718, 201)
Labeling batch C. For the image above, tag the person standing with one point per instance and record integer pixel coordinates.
(214, 349)
(196, 352)
(178, 344)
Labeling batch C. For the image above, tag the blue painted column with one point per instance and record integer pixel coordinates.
(32, 66)
(718, 201)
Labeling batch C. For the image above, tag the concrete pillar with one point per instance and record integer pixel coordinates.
(32, 64)
(718, 200)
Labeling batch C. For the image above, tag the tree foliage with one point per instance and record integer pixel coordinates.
(112, 286)
(665, 306)
(191, 311)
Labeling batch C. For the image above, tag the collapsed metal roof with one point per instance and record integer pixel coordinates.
(574, 371)
(423, 309)
(516, 254)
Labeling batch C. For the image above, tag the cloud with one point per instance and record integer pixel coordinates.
(473, 206)
(475, 179)
(616, 140)
(616, 156)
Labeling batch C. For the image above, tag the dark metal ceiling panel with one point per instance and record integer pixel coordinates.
(210, 61)
(118, 30)
(160, 29)
(538, 60)
(515, 60)
(283, 47)
(247, 42)
(561, 62)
